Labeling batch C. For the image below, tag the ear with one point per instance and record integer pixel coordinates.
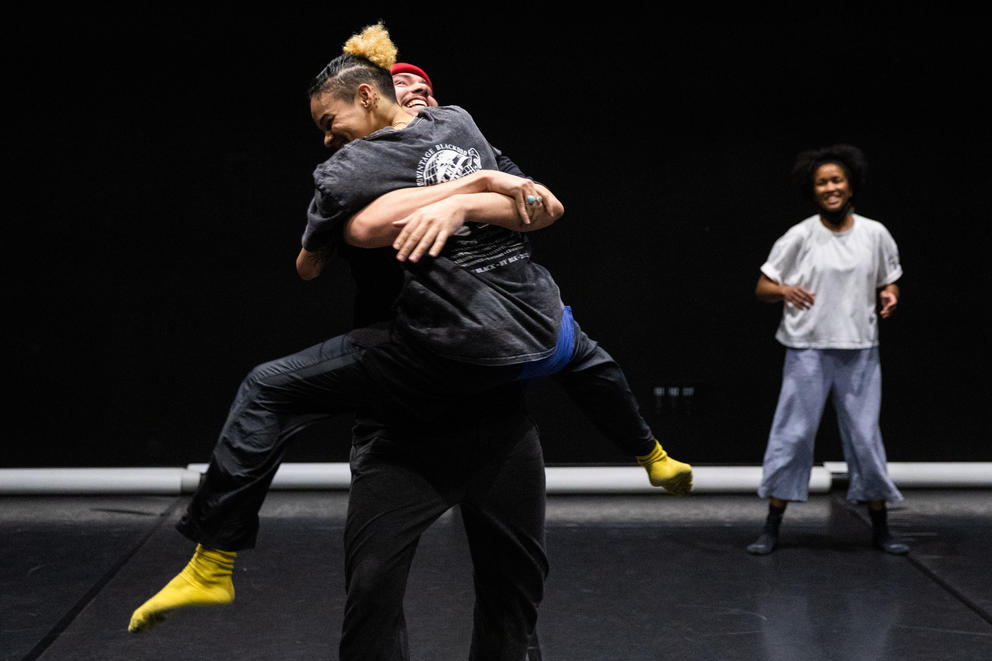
(367, 96)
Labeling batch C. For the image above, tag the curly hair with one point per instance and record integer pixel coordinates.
(367, 57)
(849, 157)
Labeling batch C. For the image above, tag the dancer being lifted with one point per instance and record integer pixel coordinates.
(474, 311)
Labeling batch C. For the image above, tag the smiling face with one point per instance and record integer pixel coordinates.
(341, 120)
(831, 187)
(413, 92)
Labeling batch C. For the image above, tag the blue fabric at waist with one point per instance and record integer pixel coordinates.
(562, 353)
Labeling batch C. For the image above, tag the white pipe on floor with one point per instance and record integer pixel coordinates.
(158, 481)
(68, 481)
(560, 480)
(633, 479)
(965, 474)
(310, 475)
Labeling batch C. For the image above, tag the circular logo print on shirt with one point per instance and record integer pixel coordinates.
(445, 162)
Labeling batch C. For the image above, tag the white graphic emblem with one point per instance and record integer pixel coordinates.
(446, 162)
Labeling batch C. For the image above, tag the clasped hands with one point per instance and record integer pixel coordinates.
(426, 230)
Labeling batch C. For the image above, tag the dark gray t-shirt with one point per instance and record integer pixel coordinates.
(482, 300)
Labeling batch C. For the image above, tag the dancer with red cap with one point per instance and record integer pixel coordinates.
(223, 514)
(414, 89)
(593, 375)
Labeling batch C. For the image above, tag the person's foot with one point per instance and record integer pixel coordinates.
(881, 537)
(205, 581)
(764, 545)
(663, 471)
(890, 545)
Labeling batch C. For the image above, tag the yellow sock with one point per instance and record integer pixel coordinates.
(205, 581)
(663, 471)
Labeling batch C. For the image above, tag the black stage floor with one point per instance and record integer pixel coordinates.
(632, 578)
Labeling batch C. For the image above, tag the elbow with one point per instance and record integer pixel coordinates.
(553, 212)
(547, 217)
(305, 271)
(765, 289)
(308, 265)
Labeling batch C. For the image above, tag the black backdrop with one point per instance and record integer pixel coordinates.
(158, 168)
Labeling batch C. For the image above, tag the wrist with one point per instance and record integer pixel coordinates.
(478, 182)
(461, 204)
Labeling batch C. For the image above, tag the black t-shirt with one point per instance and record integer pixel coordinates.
(483, 300)
(378, 276)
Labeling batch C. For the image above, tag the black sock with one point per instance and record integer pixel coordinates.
(769, 534)
(879, 525)
(881, 537)
(774, 518)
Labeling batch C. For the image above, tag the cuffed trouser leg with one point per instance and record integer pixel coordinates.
(857, 397)
(789, 454)
(276, 400)
(597, 384)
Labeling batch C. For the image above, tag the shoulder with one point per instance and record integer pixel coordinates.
(343, 157)
(342, 162)
(449, 113)
(870, 226)
(451, 110)
(324, 173)
(802, 230)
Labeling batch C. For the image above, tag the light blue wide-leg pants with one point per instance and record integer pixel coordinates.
(853, 377)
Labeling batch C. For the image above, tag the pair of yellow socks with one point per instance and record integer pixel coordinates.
(205, 581)
(663, 471)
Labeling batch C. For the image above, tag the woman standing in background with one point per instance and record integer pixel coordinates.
(831, 271)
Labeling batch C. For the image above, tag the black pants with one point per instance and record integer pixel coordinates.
(591, 378)
(595, 382)
(397, 383)
(490, 466)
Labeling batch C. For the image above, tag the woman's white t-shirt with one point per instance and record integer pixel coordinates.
(844, 270)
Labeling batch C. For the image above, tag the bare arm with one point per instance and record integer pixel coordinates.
(431, 213)
(372, 227)
(427, 229)
(379, 223)
(310, 264)
(769, 291)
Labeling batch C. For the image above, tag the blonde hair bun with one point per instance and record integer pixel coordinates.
(373, 43)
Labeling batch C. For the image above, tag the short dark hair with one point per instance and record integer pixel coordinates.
(342, 76)
(848, 157)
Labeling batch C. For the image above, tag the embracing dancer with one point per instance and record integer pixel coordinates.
(474, 313)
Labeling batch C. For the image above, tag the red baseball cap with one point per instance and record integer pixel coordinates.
(406, 67)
